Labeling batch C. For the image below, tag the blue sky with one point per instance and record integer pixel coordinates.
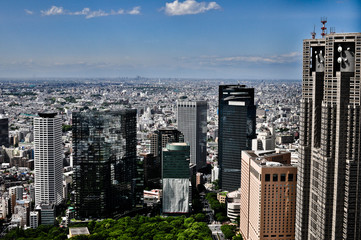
(152, 38)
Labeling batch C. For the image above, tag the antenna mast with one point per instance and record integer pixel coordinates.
(323, 21)
(313, 34)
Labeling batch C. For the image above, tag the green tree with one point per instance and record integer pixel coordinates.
(229, 231)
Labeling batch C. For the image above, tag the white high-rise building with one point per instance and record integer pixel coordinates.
(192, 122)
(34, 219)
(48, 159)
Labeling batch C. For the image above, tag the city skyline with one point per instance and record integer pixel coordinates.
(185, 39)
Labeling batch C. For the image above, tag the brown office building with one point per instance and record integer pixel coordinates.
(268, 196)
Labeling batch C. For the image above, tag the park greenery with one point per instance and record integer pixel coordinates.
(66, 128)
(229, 232)
(139, 227)
(220, 210)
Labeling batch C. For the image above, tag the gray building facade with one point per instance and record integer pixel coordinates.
(192, 122)
(329, 172)
(237, 128)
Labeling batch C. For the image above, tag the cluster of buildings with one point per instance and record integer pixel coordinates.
(113, 148)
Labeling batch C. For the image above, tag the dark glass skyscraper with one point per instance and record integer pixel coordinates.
(237, 128)
(105, 163)
(4, 132)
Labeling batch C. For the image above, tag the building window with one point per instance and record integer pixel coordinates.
(290, 177)
(283, 177)
(268, 177)
(275, 177)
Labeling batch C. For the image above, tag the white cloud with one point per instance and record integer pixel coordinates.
(28, 12)
(291, 57)
(283, 58)
(99, 13)
(54, 10)
(87, 12)
(189, 7)
(134, 11)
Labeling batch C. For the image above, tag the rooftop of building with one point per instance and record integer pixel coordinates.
(47, 115)
(335, 34)
(271, 158)
(79, 231)
(176, 146)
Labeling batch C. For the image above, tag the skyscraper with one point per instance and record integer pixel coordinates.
(175, 175)
(159, 141)
(237, 128)
(48, 160)
(192, 122)
(268, 196)
(329, 185)
(163, 136)
(105, 163)
(4, 132)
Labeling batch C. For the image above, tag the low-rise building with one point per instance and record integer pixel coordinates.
(233, 204)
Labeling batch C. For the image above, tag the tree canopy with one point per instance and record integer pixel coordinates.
(137, 228)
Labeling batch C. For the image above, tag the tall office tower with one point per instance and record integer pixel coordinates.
(48, 161)
(175, 175)
(268, 196)
(237, 128)
(192, 122)
(4, 132)
(159, 140)
(329, 185)
(105, 163)
(163, 136)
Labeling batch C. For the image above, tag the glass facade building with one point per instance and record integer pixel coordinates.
(237, 128)
(106, 173)
(175, 175)
(4, 132)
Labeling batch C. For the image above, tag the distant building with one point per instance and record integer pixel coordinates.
(237, 128)
(47, 214)
(215, 173)
(268, 196)
(163, 136)
(152, 170)
(265, 141)
(221, 197)
(34, 219)
(175, 176)
(233, 204)
(192, 122)
(4, 132)
(17, 191)
(78, 231)
(48, 159)
(106, 182)
(152, 197)
(285, 139)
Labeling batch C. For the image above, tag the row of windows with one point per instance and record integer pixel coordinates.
(276, 235)
(282, 177)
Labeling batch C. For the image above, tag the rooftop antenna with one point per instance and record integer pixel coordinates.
(332, 30)
(323, 21)
(313, 34)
